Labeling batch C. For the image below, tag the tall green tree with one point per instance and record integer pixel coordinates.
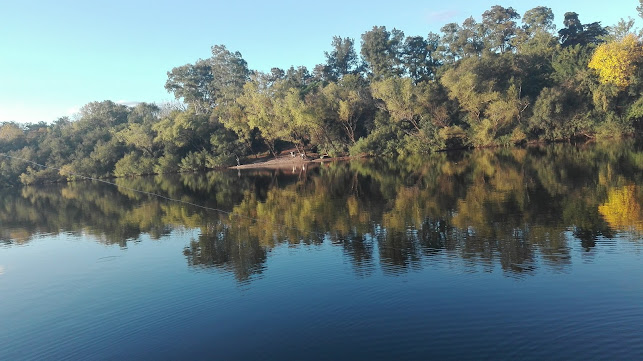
(535, 36)
(500, 27)
(418, 109)
(298, 77)
(448, 51)
(418, 57)
(381, 51)
(620, 30)
(348, 102)
(538, 18)
(139, 133)
(576, 33)
(343, 59)
(460, 42)
(12, 137)
(191, 84)
(230, 72)
(257, 112)
(211, 82)
(488, 90)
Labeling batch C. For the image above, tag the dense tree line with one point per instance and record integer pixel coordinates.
(500, 80)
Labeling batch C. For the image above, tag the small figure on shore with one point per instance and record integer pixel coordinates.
(292, 154)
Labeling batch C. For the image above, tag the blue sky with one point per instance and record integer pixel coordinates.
(56, 56)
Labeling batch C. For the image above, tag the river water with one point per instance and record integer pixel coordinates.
(529, 253)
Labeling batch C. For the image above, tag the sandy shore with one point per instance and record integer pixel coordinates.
(286, 161)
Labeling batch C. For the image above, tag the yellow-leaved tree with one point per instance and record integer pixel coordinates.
(617, 61)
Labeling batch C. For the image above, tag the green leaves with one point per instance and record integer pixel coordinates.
(481, 82)
(381, 50)
(211, 82)
(500, 27)
(342, 60)
(576, 33)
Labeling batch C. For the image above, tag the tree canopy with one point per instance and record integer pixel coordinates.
(497, 79)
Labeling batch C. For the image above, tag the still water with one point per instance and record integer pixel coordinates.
(491, 254)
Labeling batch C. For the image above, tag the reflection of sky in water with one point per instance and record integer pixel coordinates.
(69, 298)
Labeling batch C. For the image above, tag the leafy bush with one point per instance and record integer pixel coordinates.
(168, 163)
(134, 164)
(40, 176)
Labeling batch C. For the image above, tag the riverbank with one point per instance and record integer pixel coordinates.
(287, 159)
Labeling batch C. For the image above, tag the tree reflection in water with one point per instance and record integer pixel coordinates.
(517, 208)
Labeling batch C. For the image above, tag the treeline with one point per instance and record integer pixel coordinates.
(503, 80)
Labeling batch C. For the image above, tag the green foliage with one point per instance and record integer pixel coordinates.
(225, 149)
(556, 115)
(182, 131)
(576, 33)
(538, 18)
(194, 161)
(168, 163)
(401, 99)
(635, 111)
(620, 30)
(342, 60)
(343, 108)
(386, 139)
(500, 27)
(211, 82)
(490, 97)
(535, 37)
(614, 126)
(381, 50)
(569, 61)
(257, 112)
(419, 57)
(485, 82)
(40, 176)
(459, 42)
(420, 110)
(134, 164)
(12, 137)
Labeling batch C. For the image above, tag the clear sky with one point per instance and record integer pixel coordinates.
(56, 56)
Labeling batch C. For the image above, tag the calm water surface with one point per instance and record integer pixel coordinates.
(501, 254)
